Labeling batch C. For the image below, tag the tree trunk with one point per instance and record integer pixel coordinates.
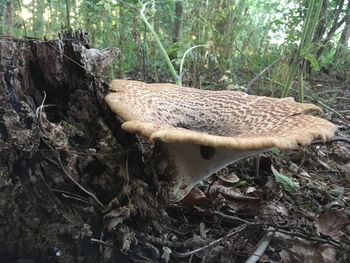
(322, 24)
(9, 9)
(336, 23)
(38, 19)
(69, 177)
(345, 35)
(177, 28)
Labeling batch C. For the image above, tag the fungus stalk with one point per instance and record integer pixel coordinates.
(182, 166)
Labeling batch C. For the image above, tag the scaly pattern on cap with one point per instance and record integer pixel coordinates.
(223, 119)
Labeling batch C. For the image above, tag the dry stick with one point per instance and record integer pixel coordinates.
(333, 139)
(314, 97)
(70, 195)
(263, 72)
(232, 218)
(262, 245)
(101, 242)
(261, 248)
(213, 243)
(39, 113)
(343, 98)
(93, 196)
(278, 228)
(75, 198)
(329, 241)
(191, 242)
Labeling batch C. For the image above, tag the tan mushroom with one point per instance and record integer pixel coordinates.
(197, 132)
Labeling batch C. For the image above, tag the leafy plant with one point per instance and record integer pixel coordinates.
(284, 181)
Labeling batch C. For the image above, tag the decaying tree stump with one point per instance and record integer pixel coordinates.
(69, 177)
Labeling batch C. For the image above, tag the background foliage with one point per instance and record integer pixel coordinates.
(281, 42)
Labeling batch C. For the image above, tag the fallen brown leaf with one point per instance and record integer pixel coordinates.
(331, 223)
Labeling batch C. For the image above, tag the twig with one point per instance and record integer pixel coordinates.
(75, 198)
(327, 92)
(94, 240)
(281, 229)
(67, 194)
(93, 196)
(233, 218)
(39, 113)
(343, 98)
(191, 242)
(333, 139)
(261, 248)
(324, 105)
(213, 243)
(330, 241)
(264, 71)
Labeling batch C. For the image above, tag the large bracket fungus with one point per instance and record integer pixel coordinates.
(197, 132)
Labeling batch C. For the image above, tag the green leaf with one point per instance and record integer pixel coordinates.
(313, 61)
(241, 183)
(275, 151)
(284, 181)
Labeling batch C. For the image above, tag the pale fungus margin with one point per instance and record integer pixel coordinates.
(198, 132)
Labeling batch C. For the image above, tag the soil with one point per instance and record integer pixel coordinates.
(75, 188)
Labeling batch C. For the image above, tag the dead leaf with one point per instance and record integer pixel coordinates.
(331, 223)
(229, 193)
(166, 254)
(250, 190)
(218, 254)
(127, 237)
(275, 211)
(116, 217)
(234, 198)
(301, 250)
(196, 198)
(202, 230)
(346, 169)
(229, 177)
(325, 165)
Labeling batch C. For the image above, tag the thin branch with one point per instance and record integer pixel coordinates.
(264, 71)
(93, 196)
(333, 139)
(101, 242)
(213, 243)
(329, 241)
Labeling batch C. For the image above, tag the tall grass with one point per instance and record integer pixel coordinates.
(298, 62)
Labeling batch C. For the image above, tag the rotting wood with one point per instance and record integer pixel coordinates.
(44, 215)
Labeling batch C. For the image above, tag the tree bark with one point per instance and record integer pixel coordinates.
(177, 28)
(68, 175)
(345, 35)
(337, 23)
(9, 9)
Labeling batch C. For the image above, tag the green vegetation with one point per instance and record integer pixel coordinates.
(281, 42)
